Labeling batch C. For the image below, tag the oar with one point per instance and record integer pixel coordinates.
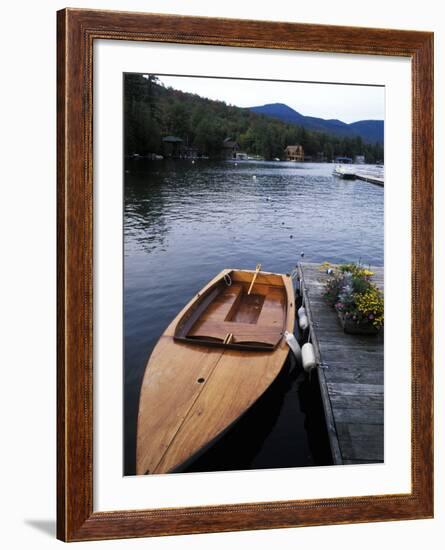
(258, 267)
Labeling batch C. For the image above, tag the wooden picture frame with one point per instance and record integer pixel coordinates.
(77, 31)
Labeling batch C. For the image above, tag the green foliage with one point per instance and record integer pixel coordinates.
(153, 111)
(209, 136)
(142, 132)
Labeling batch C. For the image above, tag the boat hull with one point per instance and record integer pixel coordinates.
(192, 392)
(343, 173)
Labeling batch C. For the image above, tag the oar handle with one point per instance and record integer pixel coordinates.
(257, 270)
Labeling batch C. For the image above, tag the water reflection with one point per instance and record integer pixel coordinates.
(184, 222)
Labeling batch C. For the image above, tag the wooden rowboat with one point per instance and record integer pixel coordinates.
(215, 359)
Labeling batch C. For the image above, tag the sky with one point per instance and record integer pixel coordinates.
(330, 101)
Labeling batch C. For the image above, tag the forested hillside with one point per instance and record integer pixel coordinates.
(153, 112)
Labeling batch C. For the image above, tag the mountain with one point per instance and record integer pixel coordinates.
(371, 131)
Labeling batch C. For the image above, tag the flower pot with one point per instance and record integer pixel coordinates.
(352, 327)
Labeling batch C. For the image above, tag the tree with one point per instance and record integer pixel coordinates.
(177, 119)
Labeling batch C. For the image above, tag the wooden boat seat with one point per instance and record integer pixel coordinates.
(242, 332)
(258, 318)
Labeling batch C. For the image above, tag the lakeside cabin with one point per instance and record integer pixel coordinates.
(230, 148)
(171, 146)
(294, 153)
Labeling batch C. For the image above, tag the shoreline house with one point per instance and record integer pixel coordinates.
(294, 153)
(190, 152)
(171, 146)
(229, 148)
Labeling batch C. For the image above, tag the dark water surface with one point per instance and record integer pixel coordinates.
(184, 222)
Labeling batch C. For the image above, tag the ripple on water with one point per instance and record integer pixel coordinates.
(183, 223)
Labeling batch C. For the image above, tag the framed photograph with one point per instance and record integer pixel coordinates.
(245, 231)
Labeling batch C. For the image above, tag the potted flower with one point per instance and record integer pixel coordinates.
(357, 300)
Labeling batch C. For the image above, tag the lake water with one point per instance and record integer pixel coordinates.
(184, 222)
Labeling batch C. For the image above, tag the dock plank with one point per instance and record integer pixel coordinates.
(352, 380)
(359, 371)
(353, 401)
(361, 441)
(359, 415)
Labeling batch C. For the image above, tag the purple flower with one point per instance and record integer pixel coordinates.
(371, 316)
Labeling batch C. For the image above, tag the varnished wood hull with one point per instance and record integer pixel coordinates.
(192, 392)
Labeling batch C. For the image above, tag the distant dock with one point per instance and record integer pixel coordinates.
(350, 375)
(370, 177)
(348, 172)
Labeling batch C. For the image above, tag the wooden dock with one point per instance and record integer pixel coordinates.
(370, 178)
(350, 375)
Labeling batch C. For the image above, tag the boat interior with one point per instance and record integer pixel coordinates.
(227, 315)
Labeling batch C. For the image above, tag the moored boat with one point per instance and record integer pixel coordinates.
(344, 172)
(214, 360)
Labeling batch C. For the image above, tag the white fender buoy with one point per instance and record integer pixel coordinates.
(292, 342)
(308, 357)
(301, 311)
(303, 322)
